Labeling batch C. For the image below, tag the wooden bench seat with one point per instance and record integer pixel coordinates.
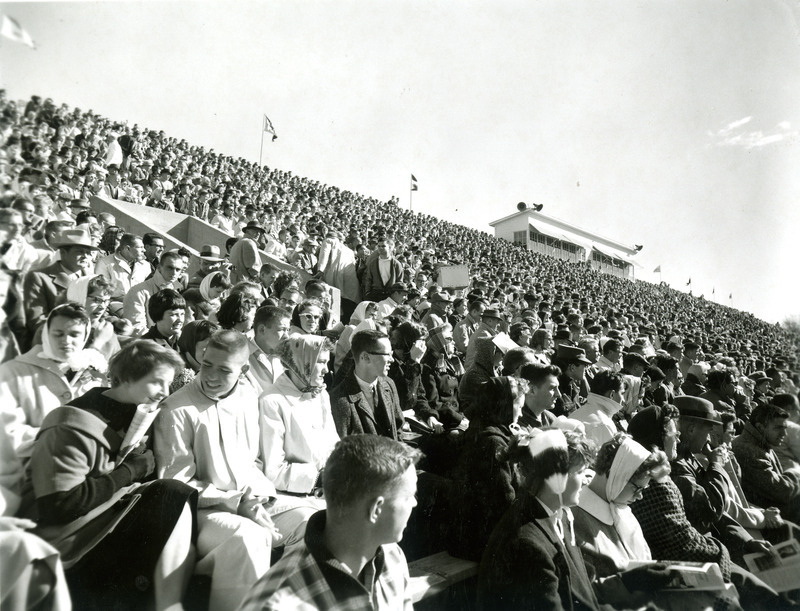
(434, 574)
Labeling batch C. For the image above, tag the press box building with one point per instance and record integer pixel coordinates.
(556, 238)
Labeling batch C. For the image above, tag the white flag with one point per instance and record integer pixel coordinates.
(269, 128)
(14, 31)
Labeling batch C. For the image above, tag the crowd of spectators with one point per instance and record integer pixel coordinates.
(508, 386)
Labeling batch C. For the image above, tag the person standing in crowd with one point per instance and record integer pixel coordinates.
(349, 558)
(466, 327)
(489, 327)
(244, 256)
(381, 272)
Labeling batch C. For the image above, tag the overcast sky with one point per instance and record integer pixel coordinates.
(672, 124)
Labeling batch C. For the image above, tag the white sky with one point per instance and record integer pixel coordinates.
(673, 124)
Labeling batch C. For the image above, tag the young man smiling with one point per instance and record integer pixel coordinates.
(207, 435)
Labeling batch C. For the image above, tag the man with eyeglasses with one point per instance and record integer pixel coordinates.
(366, 401)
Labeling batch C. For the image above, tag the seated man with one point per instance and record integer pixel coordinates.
(270, 325)
(541, 396)
(167, 309)
(207, 436)
(763, 479)
(349, 558)
(366, 401)
(45, 288)
(166, 276)
(703, 489)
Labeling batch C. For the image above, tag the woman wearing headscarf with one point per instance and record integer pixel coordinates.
(212, 288)
(48, 375)
(486, 482)
(297, 428)
(609, 534)
(125, 544)
(94, 294)
(366, 310)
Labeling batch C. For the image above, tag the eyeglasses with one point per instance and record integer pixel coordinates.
(637, 488)
(310, 316)
(380, 353)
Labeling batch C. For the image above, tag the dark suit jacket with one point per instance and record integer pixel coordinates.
(373, 286)
(353, 415)
(43, 290)
(525, 565)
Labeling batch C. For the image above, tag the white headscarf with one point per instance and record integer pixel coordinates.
(628, 459)
(78, 360)
(205, 286)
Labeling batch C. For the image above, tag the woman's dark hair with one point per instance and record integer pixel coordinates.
(234, 310)
(194, 333)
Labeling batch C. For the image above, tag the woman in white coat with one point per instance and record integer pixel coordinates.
(297, 428)
(48, 375)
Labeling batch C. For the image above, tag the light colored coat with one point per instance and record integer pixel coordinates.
(30, 388)
(297, 435)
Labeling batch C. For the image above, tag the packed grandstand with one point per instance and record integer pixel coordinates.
(451, 354)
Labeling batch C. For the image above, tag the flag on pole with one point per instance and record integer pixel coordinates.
(713, 290)
(414, 183)
(657, 270)
(14, 31)
(689, 283)
(730, 295)
(269, 128)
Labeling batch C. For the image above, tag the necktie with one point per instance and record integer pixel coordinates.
(375, 396)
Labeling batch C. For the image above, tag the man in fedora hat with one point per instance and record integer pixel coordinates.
(489, 327)
(441, 306)
(244, 255)
(703, 488)
(572, 382)
(211, 260)
(397, 297)
(43, 289)
(306, 257)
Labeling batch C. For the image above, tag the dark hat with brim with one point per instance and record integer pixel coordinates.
(573, 354)
(491, 313)
(697, 408)
(210, 252)
(398, 287)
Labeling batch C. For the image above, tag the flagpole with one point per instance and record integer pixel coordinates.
(410, 195)
(261, 150)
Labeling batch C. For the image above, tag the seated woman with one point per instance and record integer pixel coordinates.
(309, 317)
(531, 560)
(214, 286)
(48, 375)
(191, 345)
(366, 310)
(94, 293)
(486, 482)
(125, 544)
(607, 531)
(297, 428)
(238, 312)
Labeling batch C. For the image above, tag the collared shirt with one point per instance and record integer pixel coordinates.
(310, 577)
(368, 390)
(265, 369)
(135, 303)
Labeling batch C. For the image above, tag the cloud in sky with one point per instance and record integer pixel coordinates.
(731, 135)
